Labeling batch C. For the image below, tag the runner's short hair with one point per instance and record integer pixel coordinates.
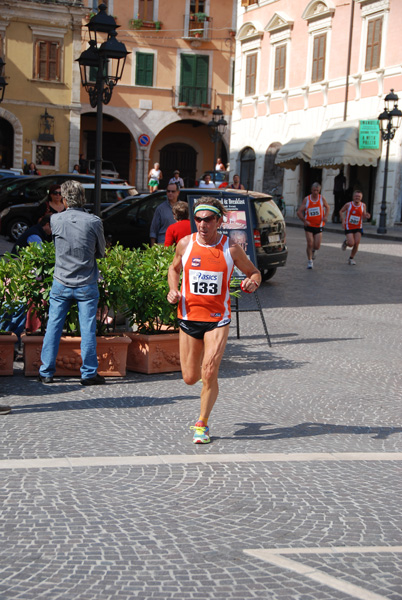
(209, 200)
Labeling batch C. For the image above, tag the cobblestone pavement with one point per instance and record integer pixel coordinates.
(297, 497)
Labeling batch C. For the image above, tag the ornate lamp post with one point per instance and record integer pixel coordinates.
(101, 68)
(390, 120)
(217, 130)
(2, 80)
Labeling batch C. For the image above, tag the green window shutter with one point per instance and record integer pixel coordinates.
(144, 71)
(194, 79)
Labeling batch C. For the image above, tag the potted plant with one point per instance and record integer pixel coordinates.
(158, 25)
(201, 17)
(136, 23)
(155, 345)
(32, 277)
(7, 307)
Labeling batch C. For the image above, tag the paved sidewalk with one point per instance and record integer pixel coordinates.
(298, 496)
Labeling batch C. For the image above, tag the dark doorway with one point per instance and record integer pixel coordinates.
(115, 147)
(363, 179)
(273, 175)
(178, 156)
(247, 165)
(310, 176)
(6, 144)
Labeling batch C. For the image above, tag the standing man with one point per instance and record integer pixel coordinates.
(163, 216)
(177, 179)
(352, 215)
(339, 195)
(314, 213)
(207, 259)
(79, 240)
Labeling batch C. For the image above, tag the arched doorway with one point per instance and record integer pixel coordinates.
(247, 165)
(178, 156)
(117, 143)
(6, 144)
(273, 174)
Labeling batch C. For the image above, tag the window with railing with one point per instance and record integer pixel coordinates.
(194, 73)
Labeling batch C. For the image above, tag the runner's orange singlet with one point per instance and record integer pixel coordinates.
(314, 212)
(205, 286)
(354, 216)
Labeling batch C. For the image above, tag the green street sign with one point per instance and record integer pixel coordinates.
(369, 134)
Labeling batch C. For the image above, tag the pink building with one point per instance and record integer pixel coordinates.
(310, 77)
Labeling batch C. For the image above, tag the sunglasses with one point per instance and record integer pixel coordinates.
(206, 219)
(56, 193)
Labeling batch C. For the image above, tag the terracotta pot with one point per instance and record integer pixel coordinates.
(111, 352)
(7, 343)
(153, 353)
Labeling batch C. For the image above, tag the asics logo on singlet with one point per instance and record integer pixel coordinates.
(207, 277)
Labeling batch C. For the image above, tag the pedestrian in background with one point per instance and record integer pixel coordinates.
(181, 228)
(79, 239)
(352, 215)
(54, 203)
(314, 213)
(339, 195)
(219, 165)
(31, 169)
(163, 216)
(207, 183)
(236, 185)
(154, 177)
(177, 179)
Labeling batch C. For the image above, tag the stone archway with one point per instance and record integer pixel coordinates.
(178, 156)
(18, 137)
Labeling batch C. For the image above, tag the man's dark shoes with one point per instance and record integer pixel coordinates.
(4, 410)
(43, 379)
(97, 380)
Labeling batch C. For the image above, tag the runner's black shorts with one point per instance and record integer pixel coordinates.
(313, 230)
(354, 231)
(197, 329)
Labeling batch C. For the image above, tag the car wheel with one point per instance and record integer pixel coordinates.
(267, 273)
(17, 228)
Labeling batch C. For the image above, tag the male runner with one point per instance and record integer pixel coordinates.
(314, 213)
(352, 215)
(207, 259)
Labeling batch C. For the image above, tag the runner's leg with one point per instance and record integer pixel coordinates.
(356, 241)
(214, 347)
(310, 244)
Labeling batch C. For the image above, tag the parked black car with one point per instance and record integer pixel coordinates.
(34, 189)
(130, 224)
(15, 219)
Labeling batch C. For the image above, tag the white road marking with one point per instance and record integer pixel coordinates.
(110, 461)
(385, 249)
(275, 557)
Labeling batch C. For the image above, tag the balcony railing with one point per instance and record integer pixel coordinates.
(195, 28)
(192, 97)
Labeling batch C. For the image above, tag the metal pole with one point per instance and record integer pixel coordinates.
(215, 152)
(383, 211)
(99, 123)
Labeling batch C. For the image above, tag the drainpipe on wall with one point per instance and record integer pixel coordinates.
(352, 10)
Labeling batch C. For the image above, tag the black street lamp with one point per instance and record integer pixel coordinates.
(217, 130)
(2, 80)
(390, 120)
(101, 68)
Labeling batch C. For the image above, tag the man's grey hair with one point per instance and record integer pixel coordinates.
(73, 193)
